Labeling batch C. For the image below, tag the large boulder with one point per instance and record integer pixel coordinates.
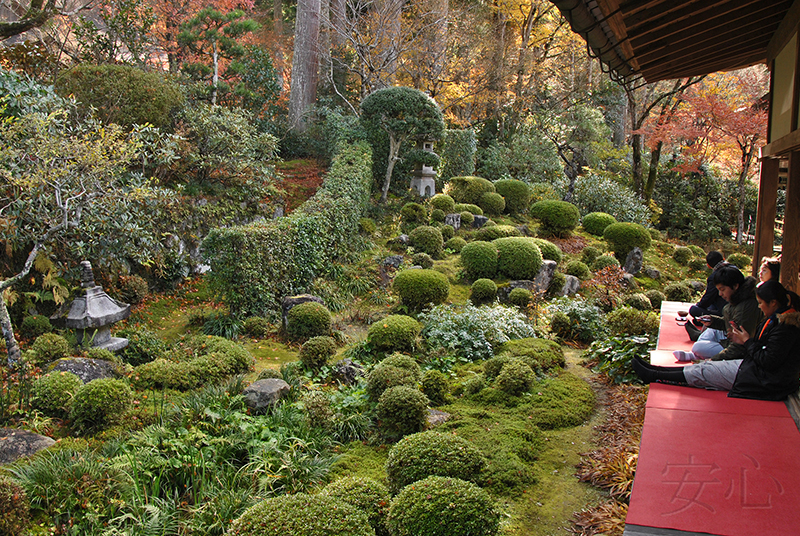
(479, 222)
(634, 261)
(87, 369)
(571, 286)
(262, 394)
(15, 444)
(453, 220)
(505, 290)
(545, 276)
(348, 371)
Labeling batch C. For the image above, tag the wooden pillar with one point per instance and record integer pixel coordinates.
(790, 256)
(765, 212)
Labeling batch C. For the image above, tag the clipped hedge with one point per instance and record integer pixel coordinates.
(395, 333)
(428, 240)
(99, 403)
(366, 494)
(557, 218)
(469, 189)
(623, 237)
(53, 393)
(443, 202)
(549, 250)
(479, 259)
(493, 232)
(596, 222)
(473, 209)
(517, 195)
(254, 266)
(401, 410)
(420, 288)
(517, 257)
(483, 291)
(492, 203)
(308, 319)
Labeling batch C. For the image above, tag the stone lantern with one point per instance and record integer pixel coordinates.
(92, 314)
(424, 177)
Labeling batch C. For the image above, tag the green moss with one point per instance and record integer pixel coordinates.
(562, 401)
(358, 459)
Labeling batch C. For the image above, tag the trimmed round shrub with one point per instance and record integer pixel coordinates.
(557, 218)
(596, 222)
(428, 240)
(538, 354)
(479, 258)
(414, 213)
(604, 261)
(133, 289)
(103, 354)
(589, 254)
(316, 351)
(99, 403)
(257, 327)
(318, 409)
(623, 237)
(493, 366)
(443, 202)
(455, 244)
(627, 320)
(517, 195)
(385, 376)
(697, 251)
(518, 257)
(655, 234)
(423, 260)
(437, 216)
(49, 347)
(740, 260)
(395, 333)
(521, 297)
(35, 325)
(404, 361)
(561, 325)
(550, 251)
(52, 393)
(301, 514)
(556, 284)
(515, 378)
(433, 453)
(493, 232)
(655, 297)
(306, 320)
(401, 410)
(638, 301)
(492, 203)
(447, 232)
(578, 269)
(436, 387)
(475, 210)
(474, 385)
(143, 346)
(15, 513)
(442, 506)
(698, 264)
(678, 292)
(367, 226)
(469, 189)
(483, 291)
(681, 255)
(467, 219)
(366, 494)
(420, 288)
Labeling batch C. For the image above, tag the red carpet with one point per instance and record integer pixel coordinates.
(672, 335)
(701, 400)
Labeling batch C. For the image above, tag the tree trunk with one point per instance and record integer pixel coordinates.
(215, 79)
(12, 347)
(394, 152)
(277, 17)
(652, 172)
(305, 65)
(636, 147)
(748, 150)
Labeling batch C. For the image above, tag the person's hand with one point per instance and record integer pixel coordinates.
(705, 320)
(737, 334)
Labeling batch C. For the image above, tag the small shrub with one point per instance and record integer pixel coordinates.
(515, 378)
(518, 257)
(557, 218)
(222, 325)
(578, 269)
(681, 255)
(628, 320)
(52, 393)
(428, 240)
(589, 254)
(538, 354)
(740, 260)
(316, 351)
(517, 195)
(437, 216)
(435, 387)
(447, 232)
(455, 244)
(257, 327)
(367, 226)
(394, 371)
(401, 410)
(99, 403)
(492, 203)
(308, 319)
(366, 494)
(318, 409)
(473, 210)
(655, 297)
(103, 354)
(474, 385)
(467, 219)
(488, 233)
(493, 366)
(479, 258)
(638, 301)
(520, 297)
(14, 508)
(143, 346)
(133, 289)
(565, 401)
(556, 284)
(596, 222)
(697, 251)
(655, 234)
(678, 292)
(433, 453)
(35, 325)
(623, 237)
(443, 202)
(469, 189)
(576, 319)
(604, 261)
(483, 291)
(698, 264)
(422, 259)
(420, 288)
(49, 347)
(395, 333)
(414, 213)
(441, 506)
(550, 251)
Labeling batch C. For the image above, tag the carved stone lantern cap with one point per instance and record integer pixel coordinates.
(96, 308)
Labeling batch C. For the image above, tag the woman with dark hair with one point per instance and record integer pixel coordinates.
(770, 369)
(770, 269)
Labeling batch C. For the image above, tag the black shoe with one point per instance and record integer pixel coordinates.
(644, 370)
(693, 331)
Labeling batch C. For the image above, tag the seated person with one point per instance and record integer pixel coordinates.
(769, 367)
(741, 309)
(711, 303)
(770, 269)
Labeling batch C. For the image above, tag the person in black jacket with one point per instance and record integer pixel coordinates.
(711, 303)
(771, 368)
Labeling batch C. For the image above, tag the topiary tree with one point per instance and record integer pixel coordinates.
(436, 387)
(517, 257)
(483, 291)
(395, 333)
(623, 237)
(557, 218)
(401, 410)
(521, 297)
(423, 260)
(515, 378)
(517, 195)
(437, 215)
(306, 320)
(479, 258)
(443, 202)
(455, 244)
(596, 222)
(399, 114)
(469, 189)
(492, 203)
(316, 351)
(420, 288)
(391, 373)
(428, 240)
(414, 213)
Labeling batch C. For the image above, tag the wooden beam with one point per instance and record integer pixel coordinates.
(721, 54)
(676, 69)
(765, 211)
(790, 256)
(784, 32)
(781, 146)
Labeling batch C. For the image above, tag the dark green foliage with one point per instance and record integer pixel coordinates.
(479, 259)
(401, 410)
(740, 260)
(521, 297)
(578, 269)
(316, 351)
(103, 354)
(561, 325)
(367, 226)
(443, 202)
(681, 255)
(430, 453)
(596, 222)
(697, 250)
(143, 346)
(615, 354)
(469, 189)
(549, 250)
(623, 237)
(133, 289)
(483, 291)
(35, 325)
(538, 354)
(556, 284)
(678, 292)
(565, 401)
(395, 333)
(492, 203)
(14, 508)
(589, 254)
(631, 321)
(458, 153)
(306, 320)
(493, 366)
(472, 208)
(122, 94)
(467, 219)
(557, 218)
(436, 387)
(318, 409)
(455, 244)
(697, 264)
(257, 327)
(428, 240)
(517, 257)
(604, 261)
(655, 297)
(366, 494)
(515, 378)
(52, 393)
(423, 260)
(517, 195)
(395, 370)
(98, 404)
(302, 515)
(655, 234)
(49, 347)
(414, 213)
(437, 216)
(638, 301)
(440, 506)
(222, 325)
(419, 288)
(493, 232)
(447, 232)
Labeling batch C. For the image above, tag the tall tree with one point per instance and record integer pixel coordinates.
(305, 63)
